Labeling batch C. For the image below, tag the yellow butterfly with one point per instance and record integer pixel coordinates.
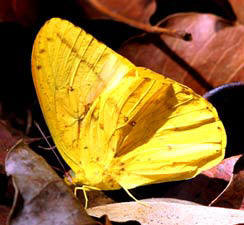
(115, 124)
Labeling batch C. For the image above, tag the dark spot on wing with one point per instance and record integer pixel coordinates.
(95, 114)
(132, 123)
(122, 164)
(187, 92)
(110, 180)
(101, 126)
(126, 118)
(38, 67)
(169, 147)
(70, 88)
(42, 51)
(87, 107)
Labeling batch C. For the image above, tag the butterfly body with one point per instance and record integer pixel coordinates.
(115, 124)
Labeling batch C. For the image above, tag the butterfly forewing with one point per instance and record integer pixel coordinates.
(70, 69)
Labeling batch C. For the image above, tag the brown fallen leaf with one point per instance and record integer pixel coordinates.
(4, 211)
(214, 57)
(167, 212)
(233, 195)
(6, 13)
(205, 187)
(139, 10)
(135, 13)
(43, 196)
(224, 170)
(8, 138)
(20, 11)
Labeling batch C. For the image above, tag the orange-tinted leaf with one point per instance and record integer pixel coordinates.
(214, 57)
(224, 170)
(238, 7)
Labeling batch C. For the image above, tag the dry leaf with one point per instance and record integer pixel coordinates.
(214, 57)
(233, 195)
(238, 7)
(224, 170)
(205, 187)
(165, 212)
(8, 137)
(20, 11)
(4, 211)
(135, 13)
(45, 197)
(139, 10)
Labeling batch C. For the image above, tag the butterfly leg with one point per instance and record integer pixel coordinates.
(133, 197)
(85, 188)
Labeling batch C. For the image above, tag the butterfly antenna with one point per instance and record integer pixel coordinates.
(52, 149)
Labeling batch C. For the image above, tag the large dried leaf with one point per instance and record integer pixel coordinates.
(214, 57)
(135, 13)
(138, 10)
(46, 198)
(166, 212)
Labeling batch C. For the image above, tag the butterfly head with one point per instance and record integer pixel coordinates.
(94, 176)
